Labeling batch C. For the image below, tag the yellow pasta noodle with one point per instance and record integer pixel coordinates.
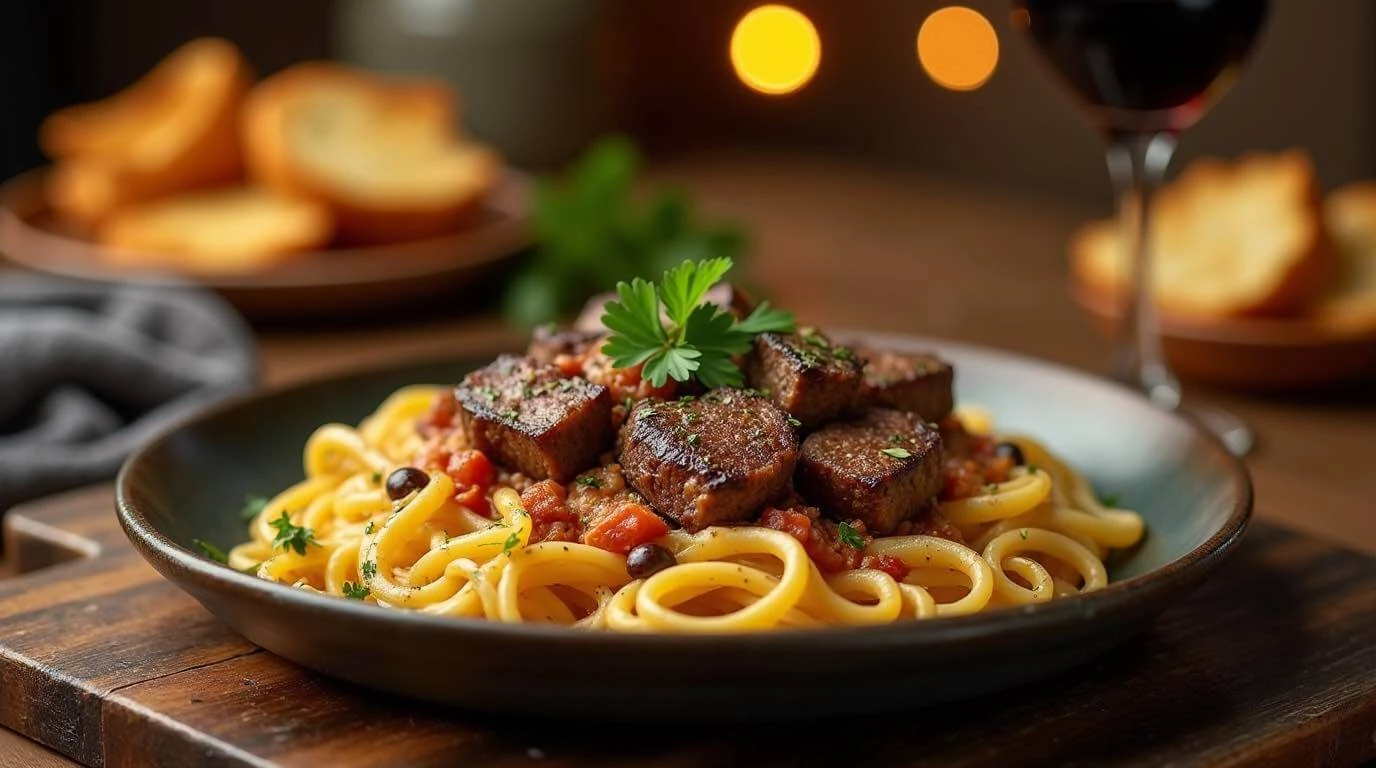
(1039, 536)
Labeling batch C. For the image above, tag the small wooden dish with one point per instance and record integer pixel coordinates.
(332, 282)
(1254, 354)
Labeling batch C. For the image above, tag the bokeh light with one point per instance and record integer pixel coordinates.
(958, 48)
(775, 49)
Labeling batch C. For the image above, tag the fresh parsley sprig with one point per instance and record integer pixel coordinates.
(699, 339)
(290, 536)
(592, 229)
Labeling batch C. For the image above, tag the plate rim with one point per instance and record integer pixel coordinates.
(1184, 571)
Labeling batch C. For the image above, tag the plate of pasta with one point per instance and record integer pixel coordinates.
(741, 516)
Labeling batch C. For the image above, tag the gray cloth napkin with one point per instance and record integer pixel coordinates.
(88, 372)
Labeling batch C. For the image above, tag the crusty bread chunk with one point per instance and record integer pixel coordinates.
(174, 129)
(1233, 239)
(1350, 304)
(220, 231)
(383, 153)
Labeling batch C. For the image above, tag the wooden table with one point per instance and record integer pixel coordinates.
(849, 245)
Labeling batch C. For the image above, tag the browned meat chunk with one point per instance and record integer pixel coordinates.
(917, 383)
(807, 375)
(724, 295)
(883, 468)
(550, 341)
(714, 459)
(528, 417)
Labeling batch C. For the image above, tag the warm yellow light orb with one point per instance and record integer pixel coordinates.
(775, 49)
(958, 48)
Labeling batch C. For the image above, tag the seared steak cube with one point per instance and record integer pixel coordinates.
(807, 375)
(883, 468)
(528, 417)
(550, 341)
(917, 383)
(717, 458)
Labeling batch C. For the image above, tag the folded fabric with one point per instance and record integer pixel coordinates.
(88, 372)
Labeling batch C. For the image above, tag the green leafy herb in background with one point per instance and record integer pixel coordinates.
(700, 338)
(593, 232)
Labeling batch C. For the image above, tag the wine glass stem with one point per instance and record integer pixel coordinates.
(1137, 163)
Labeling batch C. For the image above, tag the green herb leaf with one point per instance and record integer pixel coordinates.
(253, 506)
(897, 453)
(700, 338)
(513, 541)
(589, 481)
(1022, 532)
(849, 536)
(211, 551)
(293, 537)
(371, 527)
(592, 231)
(792, 422)
(1109, 500)
(368, 569)
(355, 591)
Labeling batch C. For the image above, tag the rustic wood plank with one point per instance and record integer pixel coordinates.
(15, 751)
(1274, 659)
(73, 633)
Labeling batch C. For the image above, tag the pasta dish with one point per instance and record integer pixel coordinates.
(783, 481)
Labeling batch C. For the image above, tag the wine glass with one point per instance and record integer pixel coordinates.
(1146, 70)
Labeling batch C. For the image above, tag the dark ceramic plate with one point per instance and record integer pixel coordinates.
(1195, 497)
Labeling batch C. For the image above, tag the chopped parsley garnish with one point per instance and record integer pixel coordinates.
(293, 537)
(369, 530)
(849, 536)
(355, 591)
(1109, 500)
(211, 551)
(1031, 469)
(513, 541)
(792, 422)
(589, 481)
(700, 338)
(897, 453)
(368, 569)
(1023, 533)
(253, 506)
(377, 478)
(693, 439)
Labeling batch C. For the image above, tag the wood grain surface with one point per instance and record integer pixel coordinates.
(1272, 662)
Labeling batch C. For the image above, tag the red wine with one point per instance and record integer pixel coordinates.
(1144, 65)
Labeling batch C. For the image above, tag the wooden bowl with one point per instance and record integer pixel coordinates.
(1254, 354)
(332, 282)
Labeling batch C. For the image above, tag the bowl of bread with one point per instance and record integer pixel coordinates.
(320, 188)
(1262, 281)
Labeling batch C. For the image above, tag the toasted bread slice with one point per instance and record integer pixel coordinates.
(175, 129)
(383, 153)
(1228, 240)
(1350, 304)
(219, 231)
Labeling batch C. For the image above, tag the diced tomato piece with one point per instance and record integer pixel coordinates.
(550, 516)
(888, 564)
(475, 497)
(470, 467)
(961, 479)
(628, 526)
(796, 524)
(569, 365)
(441, 415)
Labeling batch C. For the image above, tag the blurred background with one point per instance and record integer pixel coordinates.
(540, 78)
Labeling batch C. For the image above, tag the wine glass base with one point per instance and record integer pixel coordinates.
(1229, 429)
